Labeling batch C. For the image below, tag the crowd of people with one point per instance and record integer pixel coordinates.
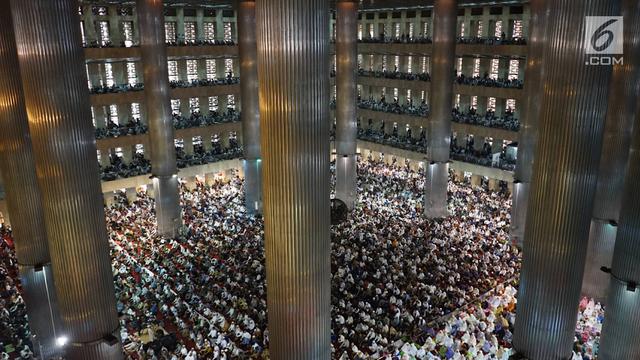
(394, 107)
(202, 42)
(406, 142)
(465, 150)
(228, 80)
(119, 168)
(508, 121)
(196, 119)
(403, 286)
(396, 75)
(492, 40)
(488, 81)
(462, 152)
(104, 89)
(402, 39)
(182, 286)
(179, 42)
(15, 336)
(113, 89)
(395, 272)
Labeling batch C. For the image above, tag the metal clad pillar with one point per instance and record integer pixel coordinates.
(622, 111)
(23, 196)
(563, 184)
(293, 58)
(157, 100)
(445, 17)
(621, 328)
(528, 134)
(57, 102)
(347, 94)
(250, 106)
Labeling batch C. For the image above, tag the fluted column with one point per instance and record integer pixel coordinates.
(158, 104)
(347, 94)
(293, 60)
(445, 15)
(563, 186)
(530, 110)
(621, 113)
(23, 197)
(57, 102)
(621, 328)
(250, 114)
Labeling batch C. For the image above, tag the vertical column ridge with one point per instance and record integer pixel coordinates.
(530, 110)
(445, 17)
(23, 195)
(563, 184)
(293, 58)
(250, 114)
(57, 102)
(157, 101)
(621, 113)
(347, 94)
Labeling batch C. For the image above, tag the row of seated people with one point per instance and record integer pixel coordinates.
(394, 107)
(402, 39)
(466, 152)
(228, 80)
(15, 336)
(395, 74)
(118, 168)
(507, 122)
(196, 119)
(492, 40)
(113, 89)
(406, 142)
(420, 39)
(110, 44)
(487, 81)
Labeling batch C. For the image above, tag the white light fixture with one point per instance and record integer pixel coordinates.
(61, 341)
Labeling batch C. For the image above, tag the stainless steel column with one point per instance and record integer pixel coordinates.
(445, 17)
(158, 104)
(250, 106)
(57, 102)
(347, 94)
(564, 181)
(621, 113)
(293, 60)
(621, 328)
(23, 196)
(530, 110)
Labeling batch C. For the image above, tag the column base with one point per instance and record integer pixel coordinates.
(602, 239)
(168, 211)
(519, 203)
(100, 349)
(435, 190)
(253, 186)
(346, 179)
(621, 330)
(42, 309)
